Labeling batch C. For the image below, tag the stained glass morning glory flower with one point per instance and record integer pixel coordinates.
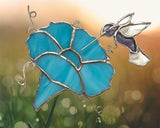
(56, 50)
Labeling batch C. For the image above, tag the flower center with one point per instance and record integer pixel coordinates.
(73, 57)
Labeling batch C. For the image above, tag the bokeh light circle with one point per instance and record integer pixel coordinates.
(112, 113)
(136, 95)
(72, 110)
(65, 102)
(20, 124)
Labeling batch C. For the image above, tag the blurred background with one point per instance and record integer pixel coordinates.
(133, 100)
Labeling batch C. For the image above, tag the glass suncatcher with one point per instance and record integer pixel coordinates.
(71, 59)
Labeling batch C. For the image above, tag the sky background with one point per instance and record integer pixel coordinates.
(100, 10)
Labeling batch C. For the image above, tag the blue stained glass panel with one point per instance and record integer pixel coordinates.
(96, 77)
(62, 32)
(93, 52)
(63, 63)
(73, 57)
(46, 90)
(59, 69)
(39, 43)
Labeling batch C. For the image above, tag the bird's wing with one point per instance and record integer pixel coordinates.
(132, 30)
(125, 20)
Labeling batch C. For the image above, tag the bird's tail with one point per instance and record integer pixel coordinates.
(139, 58)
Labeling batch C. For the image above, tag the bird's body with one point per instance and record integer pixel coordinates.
(129, 42)
(124, 33)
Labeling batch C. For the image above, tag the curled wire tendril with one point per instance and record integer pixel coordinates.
(32, 14)
(21, 80)
(82, 98)
(76, 22)
(110, 47)
(97, 109)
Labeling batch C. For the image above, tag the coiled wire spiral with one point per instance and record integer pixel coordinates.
(21, 80)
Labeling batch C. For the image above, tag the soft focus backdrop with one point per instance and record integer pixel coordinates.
(133, 100)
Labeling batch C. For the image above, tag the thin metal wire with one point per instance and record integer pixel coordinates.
(32, 14)
(63, 57)
(110, 47)
(91, 42)
(97, 109)
(54, 40)
(102, 34)
(70, 48)
(76, 22)
(82, 98)
(72, 38)
(22, 79)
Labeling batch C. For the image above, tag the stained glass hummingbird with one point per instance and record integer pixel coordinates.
(123, 33)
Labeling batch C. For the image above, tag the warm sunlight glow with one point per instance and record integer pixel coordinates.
(112, 10)
(103, 11)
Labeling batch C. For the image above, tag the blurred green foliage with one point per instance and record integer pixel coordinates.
(132, 102)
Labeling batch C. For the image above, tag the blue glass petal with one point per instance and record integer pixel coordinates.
(96, 77)
(62, 32)
(73, 57)
(59, 69)
(39, 43)
(93, 52)
(46, 90)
